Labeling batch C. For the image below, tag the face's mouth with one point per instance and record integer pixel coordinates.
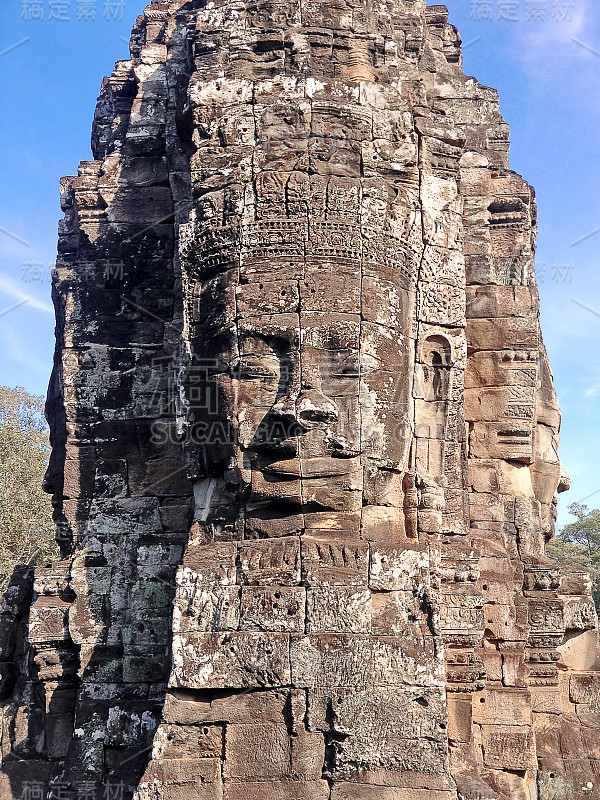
(319, 467)
(304, 453)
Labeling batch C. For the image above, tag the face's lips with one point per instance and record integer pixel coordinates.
(334, 449)
(322, 467)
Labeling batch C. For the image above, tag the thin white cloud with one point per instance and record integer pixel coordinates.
(12, 288)
(554, 47)
(593, 390)
(543, 36)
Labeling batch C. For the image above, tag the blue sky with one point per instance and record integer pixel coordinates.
(546, 70)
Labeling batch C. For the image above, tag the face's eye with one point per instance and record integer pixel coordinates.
(251, 368)
(355, 366)
(347, 371)
(368, 363)
(344, 364)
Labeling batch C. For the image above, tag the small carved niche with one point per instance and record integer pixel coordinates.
(437, 361)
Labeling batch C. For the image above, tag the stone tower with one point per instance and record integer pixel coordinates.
(304, 434)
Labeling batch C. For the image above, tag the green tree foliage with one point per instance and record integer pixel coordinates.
(26, 527)
(578, 544)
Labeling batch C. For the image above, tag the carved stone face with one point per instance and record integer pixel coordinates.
(309, 390)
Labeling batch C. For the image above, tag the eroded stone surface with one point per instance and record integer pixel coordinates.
(304, 436)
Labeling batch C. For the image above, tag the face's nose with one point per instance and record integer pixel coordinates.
(308, 408)
(314, 409)
(564, 483)
(47, 483)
